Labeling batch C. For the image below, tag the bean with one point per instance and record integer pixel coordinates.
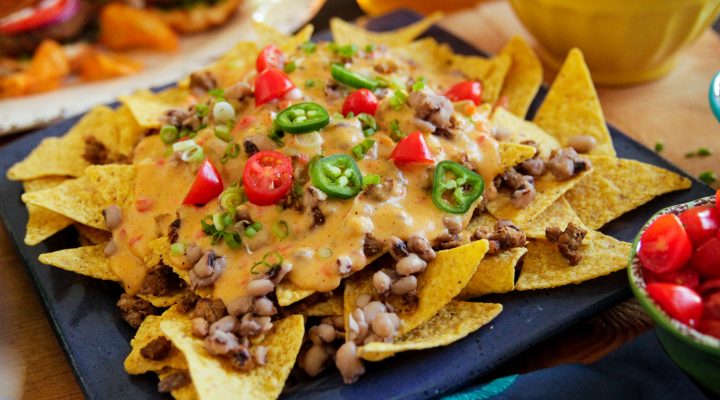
(110, 248)
(348, 363)
(315, 360)
(419, 245)
(404, 285)
(582, 143)
(372, 309)
(411, 264)
(260, 355)
(363, 300)
(260, 287)
(203, 268)
(221, 342)
(240, 305)
(384, 325)
(199, 327)
(113, 216)
(227, 323)
(192, 254)
(398, 249)
(264, 306)
(453, 224)
(382, 282)
(326, 333)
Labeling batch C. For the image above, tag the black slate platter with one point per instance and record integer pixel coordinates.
(96, 340)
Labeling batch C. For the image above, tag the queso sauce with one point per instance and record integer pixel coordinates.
(163, 181)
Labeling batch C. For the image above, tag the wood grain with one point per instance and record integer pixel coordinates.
(673, 110)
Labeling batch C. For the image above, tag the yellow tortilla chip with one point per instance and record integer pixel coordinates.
(329, 307)
(512, 154)
(43, 223)
(618, 186)
(495, 274)
(287, 293)
(428, 54)
(233, 65)
(89, 261)
(491, 72)
(524, 77)
(287, 43)
(129, 131)
(452, 323)
(215, 379)
(347, 33)
(149, 330)
(572, 108)
(186, 392)
(47, 182)
(53, 156)
(162, 301)
(544, 267)
(559, 214)
(521, 130)
(93, 235)
(148, 107)
(548, 190)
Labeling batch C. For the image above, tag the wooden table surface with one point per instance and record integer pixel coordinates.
(673, 110)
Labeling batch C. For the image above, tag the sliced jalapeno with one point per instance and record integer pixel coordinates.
(338, 176)
(302, 118)
(455, 187)
(347, 77)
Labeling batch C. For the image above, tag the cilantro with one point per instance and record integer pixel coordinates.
(346, 51)
(217, 93)
(708, 177)
(310, 83)
(419, 84)
(370, 48)
(659, 146)
(704, 152)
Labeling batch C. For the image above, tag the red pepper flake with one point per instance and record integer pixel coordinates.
(160, 162)
(246, 121)
(143, 204)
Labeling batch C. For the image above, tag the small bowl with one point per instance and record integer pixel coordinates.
(696, 353)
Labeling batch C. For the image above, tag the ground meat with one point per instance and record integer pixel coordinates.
(176, 116)
(318, 217)
(523, 187)
(569, 241)
(250, 147)
(161, 281)
(174, 230)
(156, 349)
(372, 245)
(381, 191)
(174, 381)
(201, 82)
(333, 90)
(533, 166)
(566, 163)
(187, 301)
(134, 309)
(385, 66)
(209, 309)
(238, 91)
(431, 107)
(505, 236)
(95, 151)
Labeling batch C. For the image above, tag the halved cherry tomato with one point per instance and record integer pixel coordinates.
(360, 101)
(271, 84)
(701, 223)
(711, 306)
(207, 185)
(465, 90)
(664, 246)
(706, 258)
(39, 16)
(267, 177)
(709, 327)
(687, 277)
(270, 57)
(681, 303)
(412, 149)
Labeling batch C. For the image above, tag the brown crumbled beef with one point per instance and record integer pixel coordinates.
(318, 217)
(522, 186)
(201, 82)
(385, 66)
(174, 230)
(157, 349)
(238, 91)
(566, 163)
(187, 301)
(95, 151)
(431, 107)
(161, 281)
(176, 116)
(250, 147)
(534, 166)
(381, 191)
(568, 241)
(134, 309)
(504, 236)
(373, 246)
(209, 309)
(174, 381)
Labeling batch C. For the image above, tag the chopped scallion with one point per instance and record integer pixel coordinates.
(169, 134)
(177, 248)
(281, 229)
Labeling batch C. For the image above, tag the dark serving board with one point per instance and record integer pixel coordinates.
(96, 339)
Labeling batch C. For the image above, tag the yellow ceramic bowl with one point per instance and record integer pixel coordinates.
(624, 41)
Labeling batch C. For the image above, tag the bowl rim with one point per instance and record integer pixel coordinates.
(637, 283)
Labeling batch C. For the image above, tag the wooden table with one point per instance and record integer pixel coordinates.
(673, 110)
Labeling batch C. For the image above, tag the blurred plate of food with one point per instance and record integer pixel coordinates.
(59, 57)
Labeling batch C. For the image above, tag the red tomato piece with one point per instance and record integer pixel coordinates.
(680, 302)
(709, 286)
(207, 185)
(60, 10)
(360, 101)
(711, 306)
(143, 204)
(687, 277)
(717, 198)
(709, 327)
(465, 90)
(270, 57)
(270, 85)
(701, 223)
(412, 149)
(664, 246)
(267, 177)
(706, 259)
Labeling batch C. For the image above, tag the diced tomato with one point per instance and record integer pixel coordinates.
(711, 306)
(245, 122)
(680, 302)
(701, 223)
(267, 177)
(59, 10)
(412, 149)
(143, 204)
(709, 327)
(709, 286)
(270, 85)
(270, 57)
(466, 90)
(207, 185)
(686, 277)
(706, 258)
(664, 246)
(360, 101)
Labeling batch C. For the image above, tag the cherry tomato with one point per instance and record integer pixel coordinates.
(681, 303)
(687, 277)
(709, 327)
(701, 223)
(706, 258)
(207, 185)
(465, 90)
(267, 177)
(709, 286)
(270, 57)
(360, 101)
(271, 84)
(711, 306)
(40, 16)
(664, 246)
(412, 149)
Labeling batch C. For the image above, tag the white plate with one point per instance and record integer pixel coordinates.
(159, 68)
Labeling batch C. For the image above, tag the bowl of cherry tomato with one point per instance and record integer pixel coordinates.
(674, 272)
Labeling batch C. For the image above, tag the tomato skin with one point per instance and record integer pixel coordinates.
(412, 149)
(706, 258)
(267, 177)
(664, 246)
(465, 90)
(270, 57)
(207, 185)
(709, 327)
(60, 11)
(680, 302)
(711, 306)
(360, 101)
(701, 223)
(270, 85)
(686, 276)
(709, 286)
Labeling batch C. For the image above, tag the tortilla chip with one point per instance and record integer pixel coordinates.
(89, 261)
(618, 186)
(287, 43)
(148, 107)
(491, 72)
(149, 330)
(233, 65)
(129, 131)
(47, 182)
(544, 267)
(162, 301)
(287, 293)
(427, 53)
(523, 78)
(329, 307)
(521, 130)
(572, 108)
(215, 379)
(559, 214)
(43, 223)
(347, 33)
(186, 392)
(53, 156)
(512, 154)
(93, 235)
(495, 274)
(452, 323)
(548, 190)
(484, 219)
